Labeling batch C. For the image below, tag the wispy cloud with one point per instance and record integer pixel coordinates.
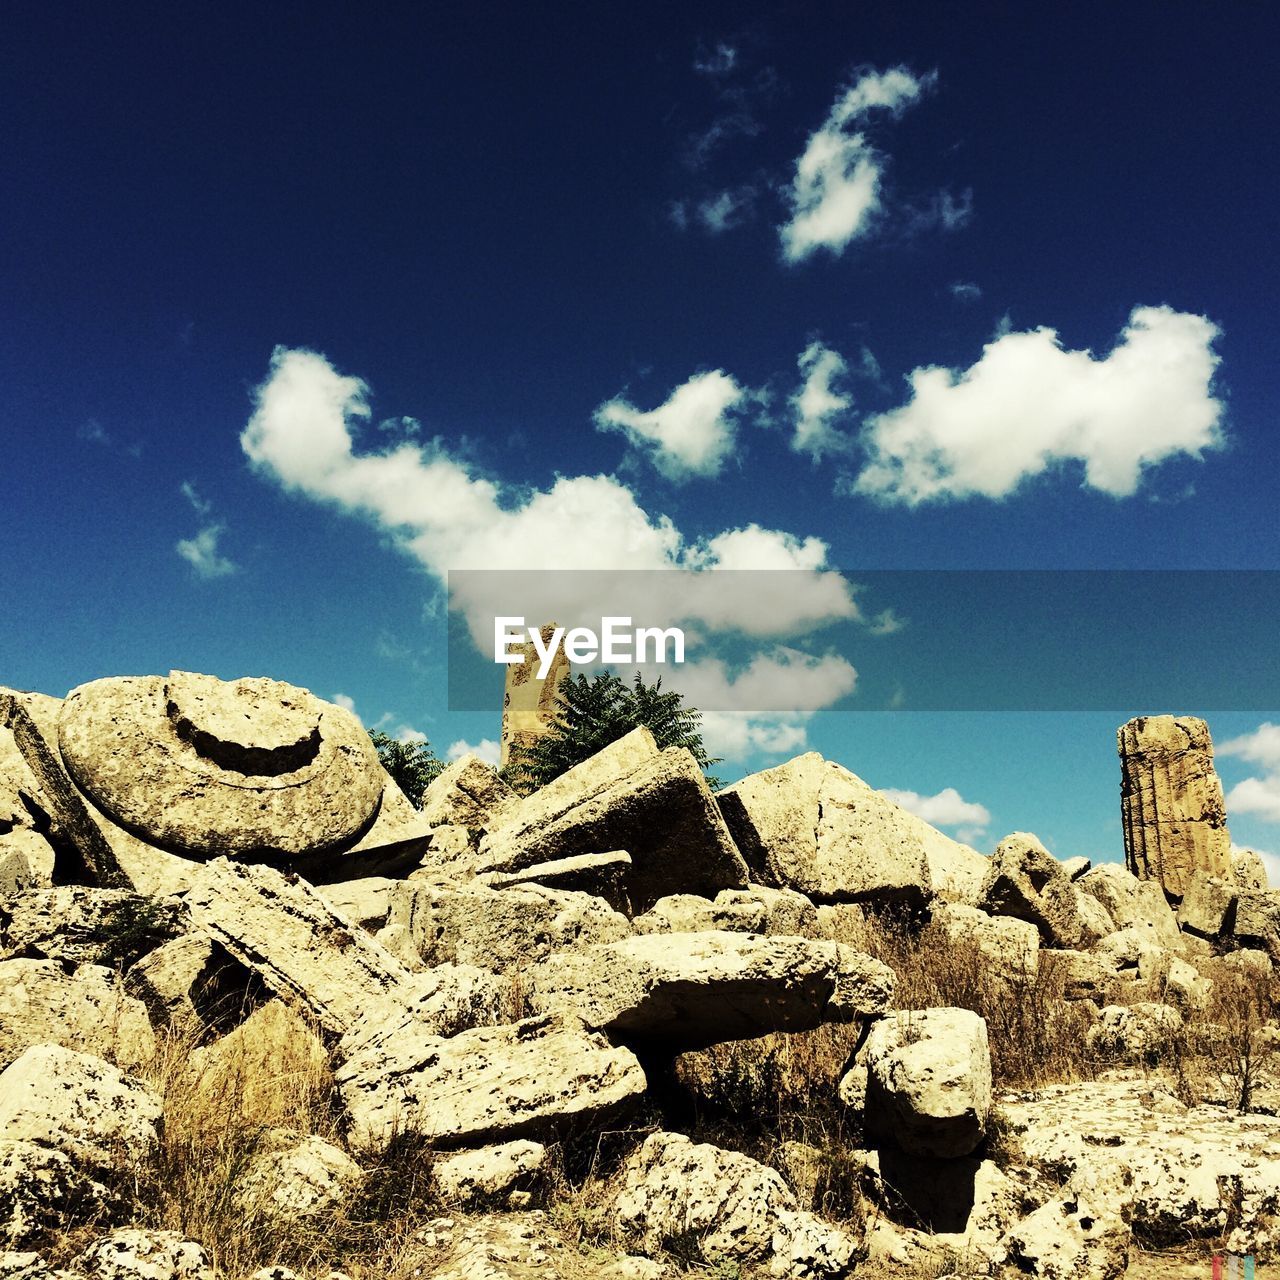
(92, 431)
(818, 405)
(199, 504)
(836, 191)
(690, 434)
(1029, 405)
(202, 554)
(964, 291)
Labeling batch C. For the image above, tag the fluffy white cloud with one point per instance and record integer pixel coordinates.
(449, 518)
(486, 749)
(1259, 796)
(691, 434)
(947, 808)
(202, 554)
(818, 405)
(781, 680)
(346, 702)
(836, 190)
(1028, 405)
(735, 735)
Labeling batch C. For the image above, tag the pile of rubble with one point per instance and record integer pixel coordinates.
(492, 975)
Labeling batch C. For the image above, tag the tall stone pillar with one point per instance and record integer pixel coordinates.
(529, 704)
(1175, 819)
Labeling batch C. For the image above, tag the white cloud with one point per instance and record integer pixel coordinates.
(347, 703)
(718, 62)
(407, 734)
(201, 506)
(486, 749)
(735, 735)
(1259, 796)
(201, 553)
(691, 434)
(781, 680)
(727, 209)
(1262, 746)
(818, 405)
(448, 518)
(1028, 405)
(835, 194)
(947, 808)
(964, 290)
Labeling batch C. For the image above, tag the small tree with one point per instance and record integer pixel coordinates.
(592, 713)
(412, 765)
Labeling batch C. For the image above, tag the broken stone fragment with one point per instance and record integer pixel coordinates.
(539, 1077)
(42, 1191)
(1025, 881)
(604, 875)
(495, 1175)
(1175, 818)
(1130, 901)
(87, 1010)
(82, 925)
(469, 794)
(500, 929)
(1134, 1033)
(293, 1176)
(696, 989)
(737, 1210)
(280, 928)
(79, 1105)
(134, 1254)
(207, 767)
(755, 909)
(654, 804)
(923, 1078)
(1010, 947)
(812, 826)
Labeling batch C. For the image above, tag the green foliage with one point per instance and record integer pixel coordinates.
(592, 713)
(131, 929)
(413, 765)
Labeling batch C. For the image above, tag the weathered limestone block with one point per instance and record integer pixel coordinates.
(739, 1211)
(1085, 975)
(654, 804)
(133, 1254)
(1126, 948)
(449, 853)
(1132, 902)
(191, 981)
(1027, 882)
(1134, 1033)
(500, 929)
(924, 1079)
(79, 924)
(603, 875)
(1176, 982)
(500, 1174)
(1208, 906)
(1076, 867)
(279, 927)
(366, 902)
(1072, 1237)
(1010, 947)
(467, 794)
(697, 989)
(440, 1001)
(813, 826)
(26, 861)
(536, 1077)
(27, 854)
(292, 1176)
(40, 1003)
(1257, 922)
(43, 1190)
(1248, 871)
(210, 767)
(78, 1105)
(1174, 815)
(755, 909)
(31, 720)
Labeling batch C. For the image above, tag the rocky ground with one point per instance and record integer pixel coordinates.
(621, 1027)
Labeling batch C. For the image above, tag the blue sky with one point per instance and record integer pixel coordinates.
(304, 305)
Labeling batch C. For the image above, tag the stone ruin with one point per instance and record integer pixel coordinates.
(529, 700)
(1174, 814)
(300, 905)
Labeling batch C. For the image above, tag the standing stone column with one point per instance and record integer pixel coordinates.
(529, 704)
(1175, 819)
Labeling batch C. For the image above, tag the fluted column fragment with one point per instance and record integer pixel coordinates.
(1175, 819)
